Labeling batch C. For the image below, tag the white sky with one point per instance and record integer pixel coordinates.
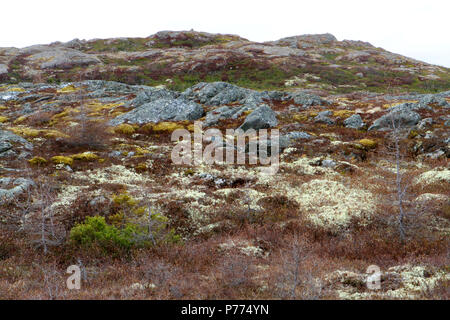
(415, 28)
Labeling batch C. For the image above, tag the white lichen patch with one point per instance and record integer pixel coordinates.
(197, 204)
(243, 246)
(244, 197)
(304, 166)
(332, 205)
(399, 282)
(66, 197)
(427, 197)
(438, 175)
(116, 174)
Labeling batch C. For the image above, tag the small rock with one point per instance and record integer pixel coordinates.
(354, 122)
(261, 118)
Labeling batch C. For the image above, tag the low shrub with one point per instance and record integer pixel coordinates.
(95, 231)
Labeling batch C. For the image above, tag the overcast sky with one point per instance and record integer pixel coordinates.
(418, 29)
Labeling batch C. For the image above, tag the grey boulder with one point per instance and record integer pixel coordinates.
(12, 145)
(161, 110)
(294, 135)
(307, 99)
(215, 93)
(19, 186)
(401, 117)
(354, 122)
(324, 117)
(262, 118)
(225, 112)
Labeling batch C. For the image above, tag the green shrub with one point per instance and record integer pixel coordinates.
(125, 233)
(95, 231)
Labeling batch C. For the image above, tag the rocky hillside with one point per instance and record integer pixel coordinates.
(87, 177)
(182, 59)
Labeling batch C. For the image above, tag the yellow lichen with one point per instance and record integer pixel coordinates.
(20, 120)
(37, 160)
(125, 129)
(368, 143)
(140, 151)
(343, 113)
(124, 199)
(300, 117)
(166, 127)
(62, 160)
(3, 119)
(98, 106)
(16, 90)
(85, 156)
(67, 89)
(25, 132)
(54, 134)
(60, 115)
(141, 167)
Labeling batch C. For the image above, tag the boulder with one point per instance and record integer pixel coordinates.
(403, 116)
(17, 187)
(62, 58)
(151, 94)
(3, 69)
(225, 112)
(12, 145)
(161, 110)
(307, 99)
(294, 135)
(324, 117)
(429, 99)
(215, 93)
(261, 118)
(354, 122)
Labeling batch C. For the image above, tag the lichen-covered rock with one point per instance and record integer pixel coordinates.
(302, 40)
(215, 93)
(161, 110)
(261, 118)
(17, 187)
(307, 99)
(402, 116)
(151, 94)
(225, 112)
(294, 135)
(12, 145)
(429, 99)
(3, 69)
(354, 122)
(60, 58)
(324, 117)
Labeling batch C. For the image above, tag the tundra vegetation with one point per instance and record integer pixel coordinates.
(87, 179)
